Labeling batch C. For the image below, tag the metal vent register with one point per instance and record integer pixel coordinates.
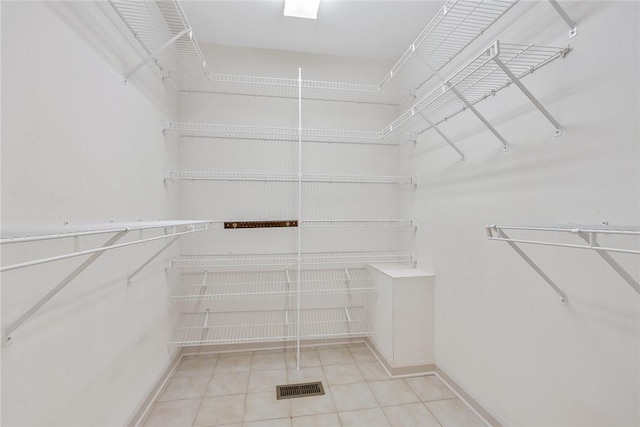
(291, 391)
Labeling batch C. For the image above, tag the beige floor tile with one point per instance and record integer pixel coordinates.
(372, 371)
(393, 392)
(343, 374)
(225, 384)
(454, 413)
(312, 405)
(185, 388)
(174, 413)
(228, 364)
(351, 397)
(262, 361)
(278, 422)
(308, 358)
(364, 418)
(429, 388)
(362, 354)
(335, 356)
(306, 375)
(220, 410)
(319, 420)
(412, 414)
(266, 380)
(265, 406)
(194, 366)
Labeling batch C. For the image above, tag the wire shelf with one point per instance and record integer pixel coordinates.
(262, 133)
(205, 286)
(164, 33)
(278, 87)
(285, 261)
(206, 328)
(479, 79)
(232, 176)
(456, 25)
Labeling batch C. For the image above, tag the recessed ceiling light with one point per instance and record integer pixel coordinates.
(301, 8)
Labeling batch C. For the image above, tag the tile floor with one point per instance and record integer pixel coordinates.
(239, 390)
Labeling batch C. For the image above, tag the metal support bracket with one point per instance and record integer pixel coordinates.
(464, 100)
(156, 53)
(147, 262)
(60, 286)
(442, 134)
(529, 95)
(563, 297)
(591, 239)
(573, 27)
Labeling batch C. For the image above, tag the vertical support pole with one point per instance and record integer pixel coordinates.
(478, 115)
(529, 95)
(59, 287)
(573, 27)
(299, 212)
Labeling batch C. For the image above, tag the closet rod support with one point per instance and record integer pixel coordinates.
(470, 106)
(590, 238)
(501, 234)
(573, 27)
(529, 95)
(59, 287)
(147, 262)
(443, 135)
(156, 53)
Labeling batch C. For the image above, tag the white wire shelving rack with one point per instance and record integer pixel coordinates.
(216, 285)
(164, 34)
(264, 133)
(210, 328)
(492, 70)
(588, 234)
(456, 25)
(278, 87)
(177, 176)
(283, 261)
(172, 229)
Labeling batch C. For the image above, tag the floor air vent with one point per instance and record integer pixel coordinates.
(291, 391)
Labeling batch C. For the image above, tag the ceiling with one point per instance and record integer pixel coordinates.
(355, 28)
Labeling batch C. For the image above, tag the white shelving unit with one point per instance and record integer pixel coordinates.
(167, 39)
(492, 70)
(169, 230)
(589, 234)
(276, 87)
(262, 133)
(270, 261)
(218, 285)
(231, 176)
(211, 328)
(164, 34)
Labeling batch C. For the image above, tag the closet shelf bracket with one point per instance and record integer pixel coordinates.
(171, 228)
(587, 233)
(573, 27)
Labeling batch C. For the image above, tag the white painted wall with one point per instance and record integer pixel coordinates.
(501, 332)
(80, 146)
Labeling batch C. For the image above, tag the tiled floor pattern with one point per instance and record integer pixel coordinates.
(239, 390)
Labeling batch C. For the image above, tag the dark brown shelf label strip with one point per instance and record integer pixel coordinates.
(260, 224)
